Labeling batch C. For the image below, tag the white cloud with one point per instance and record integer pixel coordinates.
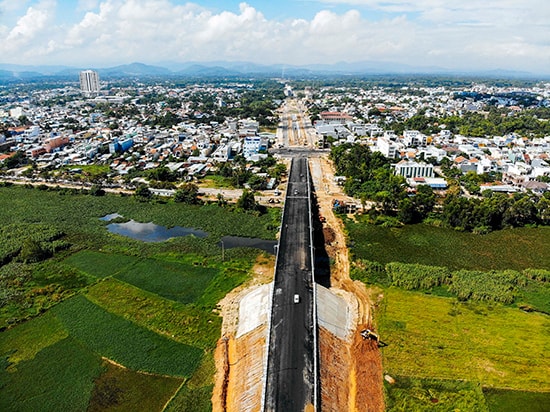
(471, 34)
(31, 25)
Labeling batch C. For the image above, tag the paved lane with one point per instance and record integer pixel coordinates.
(290, 370)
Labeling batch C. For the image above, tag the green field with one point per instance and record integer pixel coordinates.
(434, 337)
(460, 348)
(506, 249)
(447, 354)
(149, 307)
(125, 342)
(99, 265)
(181, 282)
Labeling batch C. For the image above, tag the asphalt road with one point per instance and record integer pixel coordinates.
(290, 369)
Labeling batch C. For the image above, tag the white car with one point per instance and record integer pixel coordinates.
(296, 298)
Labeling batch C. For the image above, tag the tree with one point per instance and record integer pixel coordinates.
(142, 193)
(257, 182)
(220, 200)
(97, 190)
(278, 171)
(32, 251)
(522, 212)
(247, 201)
(188, 193)
(424, 201)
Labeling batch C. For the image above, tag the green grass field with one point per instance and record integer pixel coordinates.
(125, 390)
(512, 401)
(451, 355)
(99, 265)
(58, 378)
(417, 394)
(434, 337)
(506, 249)
(182, 323)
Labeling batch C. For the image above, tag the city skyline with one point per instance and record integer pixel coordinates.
(494, 35)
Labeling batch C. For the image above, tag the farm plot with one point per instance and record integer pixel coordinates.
(59, 378)
(99, 265)
(182, 323)
(180, 282)
(124, 342)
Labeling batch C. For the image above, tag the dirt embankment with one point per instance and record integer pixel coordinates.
(239, 361)
(351, 371)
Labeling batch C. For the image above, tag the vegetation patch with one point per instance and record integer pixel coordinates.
(99, 265)
(59, 378)
(501, 400)
(515, 249)
(29, 338)
(196, 394)
(125, 342)
(486, 343)
(183, 323)
(125, 390)
(417, 394)
(180, 282)
(26, 290)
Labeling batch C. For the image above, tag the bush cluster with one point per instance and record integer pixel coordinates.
(495, 286)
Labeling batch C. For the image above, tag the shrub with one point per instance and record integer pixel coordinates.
(497, 286)
(540, 275)
(416, 276)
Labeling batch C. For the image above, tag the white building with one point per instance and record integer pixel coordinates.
(408, 168)
(253, 145)
(387, 146)
(89, 83)
(413, 138)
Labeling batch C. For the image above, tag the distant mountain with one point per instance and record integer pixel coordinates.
(14, 73)
(209, 71)
(134, 69)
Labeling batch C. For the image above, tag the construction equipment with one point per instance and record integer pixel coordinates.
(370, 335)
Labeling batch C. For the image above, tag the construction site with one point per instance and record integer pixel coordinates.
(350, 368)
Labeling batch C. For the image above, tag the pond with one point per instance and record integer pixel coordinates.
(230, 242)
(150, 232)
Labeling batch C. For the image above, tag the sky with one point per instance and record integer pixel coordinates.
(470, 35)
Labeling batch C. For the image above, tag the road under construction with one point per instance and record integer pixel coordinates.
(298, 344)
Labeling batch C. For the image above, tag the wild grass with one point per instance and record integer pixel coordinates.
(180, 282)
(125, 390)
(196, 394)
(499, 400)
(416, 395)
(182, 323)
(26, 340)
(490, 344)
(515, 249)
(99, 265)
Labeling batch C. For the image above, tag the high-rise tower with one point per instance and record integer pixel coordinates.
(89, 83)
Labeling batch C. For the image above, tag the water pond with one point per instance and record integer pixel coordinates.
(236, 241)
(150, 232)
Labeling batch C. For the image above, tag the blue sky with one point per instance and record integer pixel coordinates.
(451, 34)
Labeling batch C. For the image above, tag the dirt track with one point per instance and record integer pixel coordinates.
(351, 371)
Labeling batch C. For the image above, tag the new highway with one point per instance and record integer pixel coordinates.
(291, 365)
